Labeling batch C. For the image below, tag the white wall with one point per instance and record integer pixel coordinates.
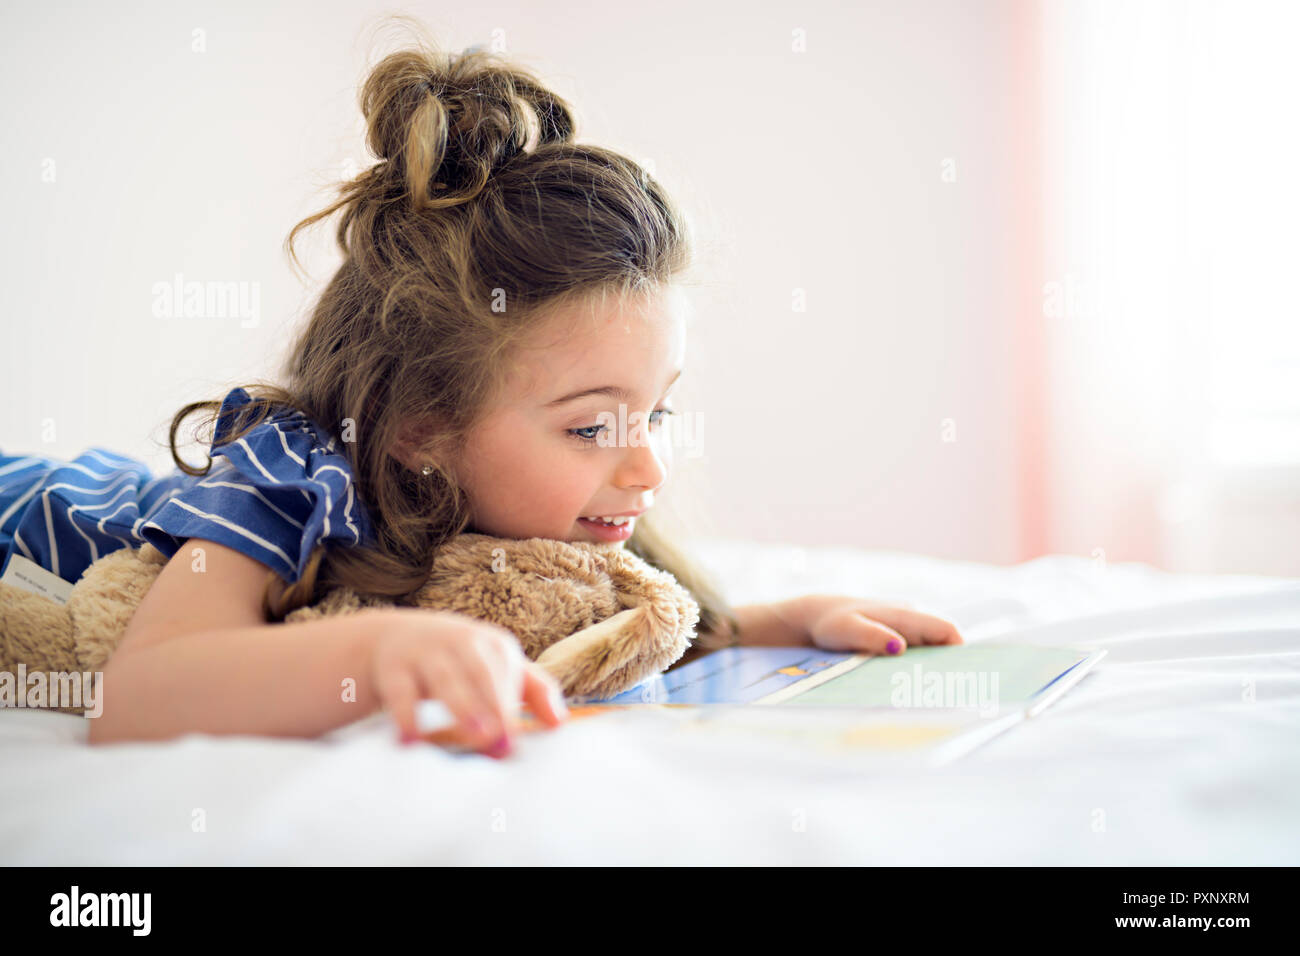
(820, 170)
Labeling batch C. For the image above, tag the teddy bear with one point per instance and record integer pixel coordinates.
(597, 617)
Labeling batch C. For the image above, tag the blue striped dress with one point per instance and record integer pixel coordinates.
(272, 495)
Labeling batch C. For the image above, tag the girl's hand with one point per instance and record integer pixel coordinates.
(478, 670)
(839, 623)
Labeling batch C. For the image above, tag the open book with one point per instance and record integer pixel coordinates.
(930, 704)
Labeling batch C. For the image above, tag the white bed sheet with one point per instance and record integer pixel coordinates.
(1180, 749)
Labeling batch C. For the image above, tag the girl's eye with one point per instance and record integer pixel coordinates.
(595, 430)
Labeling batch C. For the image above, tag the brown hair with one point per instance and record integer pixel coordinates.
(480, 196)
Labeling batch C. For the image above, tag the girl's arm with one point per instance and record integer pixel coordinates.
(772, 624)
(198, 656)
(278, 680)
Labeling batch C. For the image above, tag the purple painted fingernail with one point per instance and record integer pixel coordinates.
(894, 645)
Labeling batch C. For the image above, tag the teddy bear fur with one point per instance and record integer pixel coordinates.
(598, 618)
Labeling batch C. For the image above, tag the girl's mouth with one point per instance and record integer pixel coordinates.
(609, 532)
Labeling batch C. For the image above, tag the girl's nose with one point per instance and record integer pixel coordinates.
(642, 467)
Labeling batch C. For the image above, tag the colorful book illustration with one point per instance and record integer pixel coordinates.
(933, 704)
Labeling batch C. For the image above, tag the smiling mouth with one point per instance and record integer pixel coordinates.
(616, 521)
(609, 531)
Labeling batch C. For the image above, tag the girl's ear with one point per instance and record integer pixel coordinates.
(416, 443)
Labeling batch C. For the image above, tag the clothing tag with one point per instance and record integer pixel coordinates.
(27, 575)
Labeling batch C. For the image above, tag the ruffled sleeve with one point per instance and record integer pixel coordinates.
(273, 494)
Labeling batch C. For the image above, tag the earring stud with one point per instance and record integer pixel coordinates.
(427, 470)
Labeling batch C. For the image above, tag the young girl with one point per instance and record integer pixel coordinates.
(503, 289)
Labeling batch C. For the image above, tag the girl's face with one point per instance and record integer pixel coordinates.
(581, 432)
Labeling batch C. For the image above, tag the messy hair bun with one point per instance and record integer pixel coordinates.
(443, 123)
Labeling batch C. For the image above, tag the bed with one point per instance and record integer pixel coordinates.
(1182, 747)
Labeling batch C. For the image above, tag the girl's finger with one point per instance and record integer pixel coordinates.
(543, 695)
(496, 678)
(919, 628)
(446, 680)
(856, 633)
(398, 689)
